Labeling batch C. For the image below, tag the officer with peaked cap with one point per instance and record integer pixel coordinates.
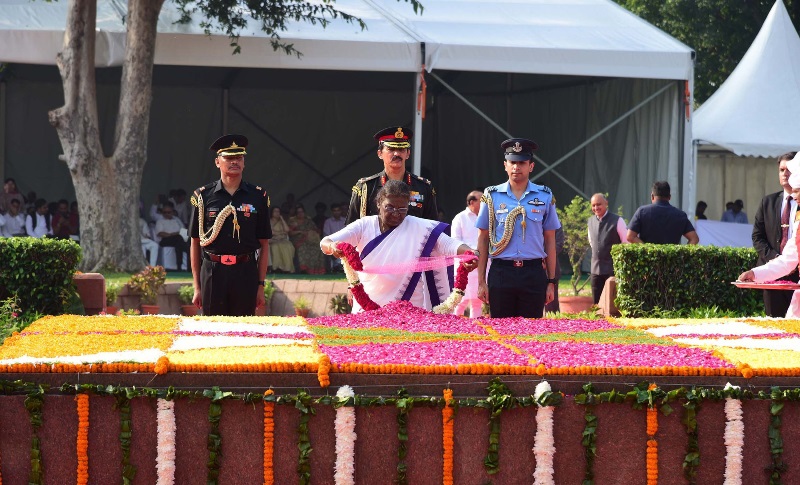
(230, 232)
(517, 222)
(394, 148)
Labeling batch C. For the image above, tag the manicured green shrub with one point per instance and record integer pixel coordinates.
(39, 272)
(652, 278)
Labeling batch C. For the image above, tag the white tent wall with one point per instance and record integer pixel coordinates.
(306, 126)
(724, 177)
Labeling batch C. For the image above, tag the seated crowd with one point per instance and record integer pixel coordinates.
(34, 217)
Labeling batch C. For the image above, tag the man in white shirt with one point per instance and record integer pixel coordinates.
(168, 233)
(13, 223)
(148, 243)
(333, 224)
(38, 224)
(464, 230)
(605, 230)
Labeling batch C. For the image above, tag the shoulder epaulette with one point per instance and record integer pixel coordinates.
(491, 188)
(421, 179)
(367, 179)
(198, 191)
(545, 188)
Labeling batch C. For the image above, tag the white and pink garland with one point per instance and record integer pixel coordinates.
(734, 439)
(165, 458)
(345, 426)
(544, 443)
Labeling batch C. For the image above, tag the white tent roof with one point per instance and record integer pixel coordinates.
(572, 37)
(754, 112)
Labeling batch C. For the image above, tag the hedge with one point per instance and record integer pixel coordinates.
(38, 271)
(653, 277)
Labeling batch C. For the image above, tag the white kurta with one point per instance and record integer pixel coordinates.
(404, 244)
(781, 266)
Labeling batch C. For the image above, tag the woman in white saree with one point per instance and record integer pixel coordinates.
(393, 237)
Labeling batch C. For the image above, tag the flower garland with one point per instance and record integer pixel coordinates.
(82, 446)
(544, 442)
(499, 398)
(448, 441)
(351, 262)
(778, 466)
(269, 438)
(162, 365)
(734, 437)
(323, 371)
(404, 403)
(345, 426)
(652, 444)
(123, 404)
(589, 440)
(692, 459)
(214, 436)
(34, 403)
(303, 404)
(165, 458)
(452, 301)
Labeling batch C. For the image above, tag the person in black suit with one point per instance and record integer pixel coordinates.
(768, 233)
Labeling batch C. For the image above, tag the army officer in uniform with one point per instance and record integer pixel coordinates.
(230, 232)
(394, 148)
(517, 222)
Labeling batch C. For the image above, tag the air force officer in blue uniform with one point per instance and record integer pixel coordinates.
(517, 223)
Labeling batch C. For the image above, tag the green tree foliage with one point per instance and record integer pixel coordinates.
(720, 31)
(574, 219)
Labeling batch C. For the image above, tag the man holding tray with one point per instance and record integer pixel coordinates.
(787, 262)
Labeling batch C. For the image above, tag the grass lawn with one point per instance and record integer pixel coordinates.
(564, 286)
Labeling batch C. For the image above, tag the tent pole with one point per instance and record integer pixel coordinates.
(225, 105)
(504, 132)
(689, 153)
(2, 130)
(608, 127)
(416, 150)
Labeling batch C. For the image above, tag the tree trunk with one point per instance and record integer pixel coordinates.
(107, 188)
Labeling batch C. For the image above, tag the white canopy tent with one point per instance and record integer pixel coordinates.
(752, 114)
(582, 54)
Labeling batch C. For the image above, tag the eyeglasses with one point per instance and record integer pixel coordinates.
(394, 210)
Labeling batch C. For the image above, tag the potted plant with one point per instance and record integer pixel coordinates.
(302, 306)
(146, 284)
(339, 305)
(185, 295)
(112, 292)
(574, 217)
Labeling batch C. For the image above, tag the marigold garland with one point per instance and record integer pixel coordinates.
(82, 446)
(345, 427)
(323, 371)
(404, 403)
(652, 445)
(162, 365)
(447, 437)
(269, 439)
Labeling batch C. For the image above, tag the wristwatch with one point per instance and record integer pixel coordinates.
(552, 280)
(261, 283)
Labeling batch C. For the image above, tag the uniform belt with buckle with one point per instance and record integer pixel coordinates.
(228, 259)
(517, 263)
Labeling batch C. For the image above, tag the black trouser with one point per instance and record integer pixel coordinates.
(180, 246)
(776, 302)
(517, 291)
(229, 290)
(598, 282)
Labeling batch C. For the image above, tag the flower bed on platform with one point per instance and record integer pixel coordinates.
(400, 338)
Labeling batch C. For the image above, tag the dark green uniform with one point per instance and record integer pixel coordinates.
(422, 203)
(229, 275)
